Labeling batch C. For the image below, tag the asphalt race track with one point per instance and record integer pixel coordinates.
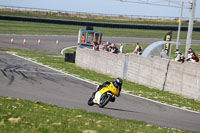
(26, 80)
(48, 42)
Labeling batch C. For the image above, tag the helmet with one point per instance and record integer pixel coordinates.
(119, 81)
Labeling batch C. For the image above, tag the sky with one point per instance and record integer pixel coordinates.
(103, 6)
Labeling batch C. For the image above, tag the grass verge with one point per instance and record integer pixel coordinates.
(128, 48)
(93, 18)
(16, 27)
(34, 117)
(136, 89)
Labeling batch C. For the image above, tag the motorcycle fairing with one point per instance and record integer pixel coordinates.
(97, 97)
(110, 88)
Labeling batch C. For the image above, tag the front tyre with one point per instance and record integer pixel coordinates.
(105, 98)
(90, 101)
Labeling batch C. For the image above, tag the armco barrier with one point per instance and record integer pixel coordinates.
(155, 72)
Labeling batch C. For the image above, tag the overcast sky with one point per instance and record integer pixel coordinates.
(102, 6)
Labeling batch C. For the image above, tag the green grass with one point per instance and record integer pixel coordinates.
(16, 27)
(136, 89)
(22, 116)
(128, 48)
(196, 49)
(94, 18)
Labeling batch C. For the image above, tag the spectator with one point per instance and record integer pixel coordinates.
(138, 49)
(121, 48)
(182, 59)
(164, 55)
(178, 56)
(95, 46)
(107, 43)
(101, 47)
(192, 51)
(108, 46)
(195, 58)
(191, 56)
(83, 38)
(113, 48)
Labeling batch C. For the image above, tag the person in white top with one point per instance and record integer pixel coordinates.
(121, 48)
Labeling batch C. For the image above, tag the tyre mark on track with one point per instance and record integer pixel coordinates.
(11, 71)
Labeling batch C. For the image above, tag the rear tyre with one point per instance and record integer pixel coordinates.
(104, 100)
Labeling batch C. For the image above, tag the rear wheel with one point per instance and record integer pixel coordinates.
(105, 98)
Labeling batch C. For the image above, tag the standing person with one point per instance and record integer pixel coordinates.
(138, 49)
(83, 38)
(121, 48)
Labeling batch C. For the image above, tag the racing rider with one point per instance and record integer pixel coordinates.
(117, 83)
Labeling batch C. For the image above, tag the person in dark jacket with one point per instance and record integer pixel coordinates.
(113, 49)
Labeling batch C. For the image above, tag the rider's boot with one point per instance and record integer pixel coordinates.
(112, 99)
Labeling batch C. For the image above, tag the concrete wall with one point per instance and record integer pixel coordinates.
(155, 72)
(100, 61)
(147, 71)
(184, 79)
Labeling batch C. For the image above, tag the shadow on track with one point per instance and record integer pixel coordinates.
(121, 110)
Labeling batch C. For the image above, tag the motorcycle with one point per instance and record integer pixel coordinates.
(103, 96)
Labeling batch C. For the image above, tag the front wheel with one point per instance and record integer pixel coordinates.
(105, 98)
(90, 101)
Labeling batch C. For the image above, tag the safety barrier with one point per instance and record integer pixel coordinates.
(154, 72)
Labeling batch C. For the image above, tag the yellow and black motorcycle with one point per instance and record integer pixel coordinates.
(103, 96)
